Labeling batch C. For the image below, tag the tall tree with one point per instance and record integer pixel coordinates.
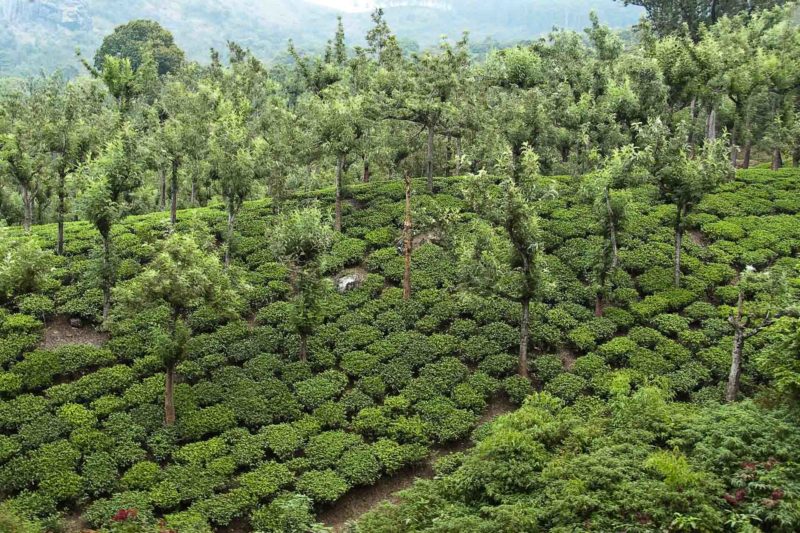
(681, 179)
(763, 298)
(503, 252)
(133, 40)
(115, 174)
(231, 164)
(300, 239)
(183, 277)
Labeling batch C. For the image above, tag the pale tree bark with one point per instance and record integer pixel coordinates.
(337, 221)
(303, 353)
(169, 396)
(162, 189)
(60, 211)
(711, 124)
(523, 338)
(27, 206)
(732, 389)
(459, 156)
(429, 159)
(408, 240)
(173, 210)
(777, 159)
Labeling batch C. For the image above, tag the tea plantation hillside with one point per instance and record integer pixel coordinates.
(626, 387)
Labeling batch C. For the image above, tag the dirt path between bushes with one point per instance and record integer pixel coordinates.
(58, 332)
(359, 500)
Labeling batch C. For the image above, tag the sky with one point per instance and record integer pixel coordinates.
(352, 6)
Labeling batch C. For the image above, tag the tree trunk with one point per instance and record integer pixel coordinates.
(429, 159)
(337, 221)
(796, 156)
(777, 159)
(678, 243)
(734, 148)
(711, 125)
(27, 205)
(193, 196)
(408, 242)
(523, 338)
(169, 396)
(162, 189)
(107, 279)
(173, 210)
(303, 347)
(732, 389)
(598, 304)
(365, 177)
(459, 155)
(229, 238)
(448, 155)
(692, 117)
(60, 220)
(612, 231)
(748, 148)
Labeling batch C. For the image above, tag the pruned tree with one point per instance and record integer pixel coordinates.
(681, 179)
(763, 298)
(502, 253)
(300, 239)
(182, 277)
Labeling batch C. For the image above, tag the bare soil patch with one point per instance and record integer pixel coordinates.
(698, 238)
(362, 499)
(58, 332)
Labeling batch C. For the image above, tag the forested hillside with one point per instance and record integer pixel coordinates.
(235, 295)
(43, 35)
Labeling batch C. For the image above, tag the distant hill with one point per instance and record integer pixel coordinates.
(43, 34)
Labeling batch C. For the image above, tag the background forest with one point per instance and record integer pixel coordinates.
(235, 291)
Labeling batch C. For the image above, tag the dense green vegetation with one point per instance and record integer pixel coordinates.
(282, 313)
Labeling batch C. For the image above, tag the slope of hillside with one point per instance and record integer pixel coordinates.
(262, 437)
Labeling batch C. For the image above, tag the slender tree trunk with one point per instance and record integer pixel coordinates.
(598, 304)
(337, 221)
(27, 205)
(169, 396)
(61, 208)
(366, 175)
(732, 389)
(711, 124)
(303, 347)
(748, 147)
(173, 210)
(193, 195)
(162, 189)
(523, 338)
(692, 117)
(408, 241)
(229, 238)
(678, 243)
(107, 276)
(777, 159)
(448, 155)
(612, 231)
(429, 159)
(459, 155)
(734, 148)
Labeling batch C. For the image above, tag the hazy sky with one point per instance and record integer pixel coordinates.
(347, 5)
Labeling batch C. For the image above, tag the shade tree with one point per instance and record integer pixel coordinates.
(300, 239)
(182, 277)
